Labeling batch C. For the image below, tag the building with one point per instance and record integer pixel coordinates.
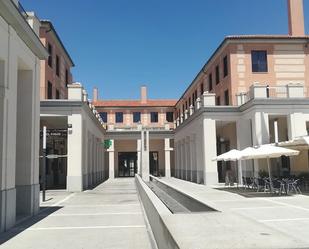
(251, 87)
(56, 70)
(20, 55)
(75, 142)
(125, 120)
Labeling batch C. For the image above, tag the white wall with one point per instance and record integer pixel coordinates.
(17, 60)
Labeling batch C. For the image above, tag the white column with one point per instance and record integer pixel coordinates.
(188, 159)
(167, 150)
(75, 171)
(183, 160)
(244, 140)
(111, 160)
(260, 133)
(296, 125)
(138, 149)
(145, 155)
(193, 158)
(209, 152)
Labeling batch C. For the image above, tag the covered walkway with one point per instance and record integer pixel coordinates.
(109, 216)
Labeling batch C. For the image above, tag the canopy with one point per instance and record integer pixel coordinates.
(266, 151)
(232, 155)
(298, 143)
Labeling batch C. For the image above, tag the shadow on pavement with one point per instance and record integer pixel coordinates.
(22, 226)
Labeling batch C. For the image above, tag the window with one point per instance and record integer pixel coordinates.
(195, 96)
(50, 57)
(202, 88)
(259, 61)
(57, 65)
(154, 117)
(186, 105)
(66, 77)
(119, 117)
(217, 75)
(136, 117)
(225, 67)
(210, 82)
(218, 100)
(189, 102)
(49, 90)
(57, 94)
(169, 117)
(103, 115)
(226, 97)
(183, 108)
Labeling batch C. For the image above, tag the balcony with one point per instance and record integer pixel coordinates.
(264, 91)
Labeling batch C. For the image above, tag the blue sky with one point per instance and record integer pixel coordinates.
(118, 45)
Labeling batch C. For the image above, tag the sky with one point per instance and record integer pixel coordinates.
(119, 45)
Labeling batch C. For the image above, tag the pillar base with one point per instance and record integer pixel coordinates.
(211, 178)
(7, 209)
(27, 199)
(74, 183)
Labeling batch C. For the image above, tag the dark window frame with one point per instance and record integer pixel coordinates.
(50, 56)
(154, 117)
(210, 86)
(202, 88)
(259, 61)
(103, 116)
(217, 74)
(119, 117)
(226, 97)
(49, 90)
(136, 119)
(218, 100)
(225, 67)
(57, 65)
(169, 117)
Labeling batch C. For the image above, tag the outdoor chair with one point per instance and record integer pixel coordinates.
(279, 186)
(248, 182)
(293, 185)
(262, 185)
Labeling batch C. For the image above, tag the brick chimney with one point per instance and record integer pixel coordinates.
(143, 94)
(95, 94)
(296, 18)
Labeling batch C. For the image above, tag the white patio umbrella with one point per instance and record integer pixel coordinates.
(267, 151)
(232, 155)
(301, 142)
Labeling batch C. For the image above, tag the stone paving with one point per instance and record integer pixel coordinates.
(109, 216)
(262, 222)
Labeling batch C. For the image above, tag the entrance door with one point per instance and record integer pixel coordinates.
(127, 164)
(154, 163)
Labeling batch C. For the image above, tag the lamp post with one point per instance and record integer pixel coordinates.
(44, 165)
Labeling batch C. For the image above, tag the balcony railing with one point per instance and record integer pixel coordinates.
(265, 91)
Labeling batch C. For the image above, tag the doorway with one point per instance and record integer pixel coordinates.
(154, 163)
(127, 164)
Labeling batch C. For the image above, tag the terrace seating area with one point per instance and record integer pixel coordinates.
(286, 186)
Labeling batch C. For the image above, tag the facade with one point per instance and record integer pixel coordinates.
(75, 142)
(125, 120)
(250, 88)
(20, 55)
(56, 70)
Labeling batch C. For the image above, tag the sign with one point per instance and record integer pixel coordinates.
(56, 133)
(107, 143)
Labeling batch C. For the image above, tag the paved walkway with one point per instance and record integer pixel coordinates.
(269, 222)
(110, 216)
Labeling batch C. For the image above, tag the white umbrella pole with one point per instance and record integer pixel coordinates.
(269, 174)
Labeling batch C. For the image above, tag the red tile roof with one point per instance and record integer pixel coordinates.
(135, 103)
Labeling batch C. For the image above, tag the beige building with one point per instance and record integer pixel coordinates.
(125, 120)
